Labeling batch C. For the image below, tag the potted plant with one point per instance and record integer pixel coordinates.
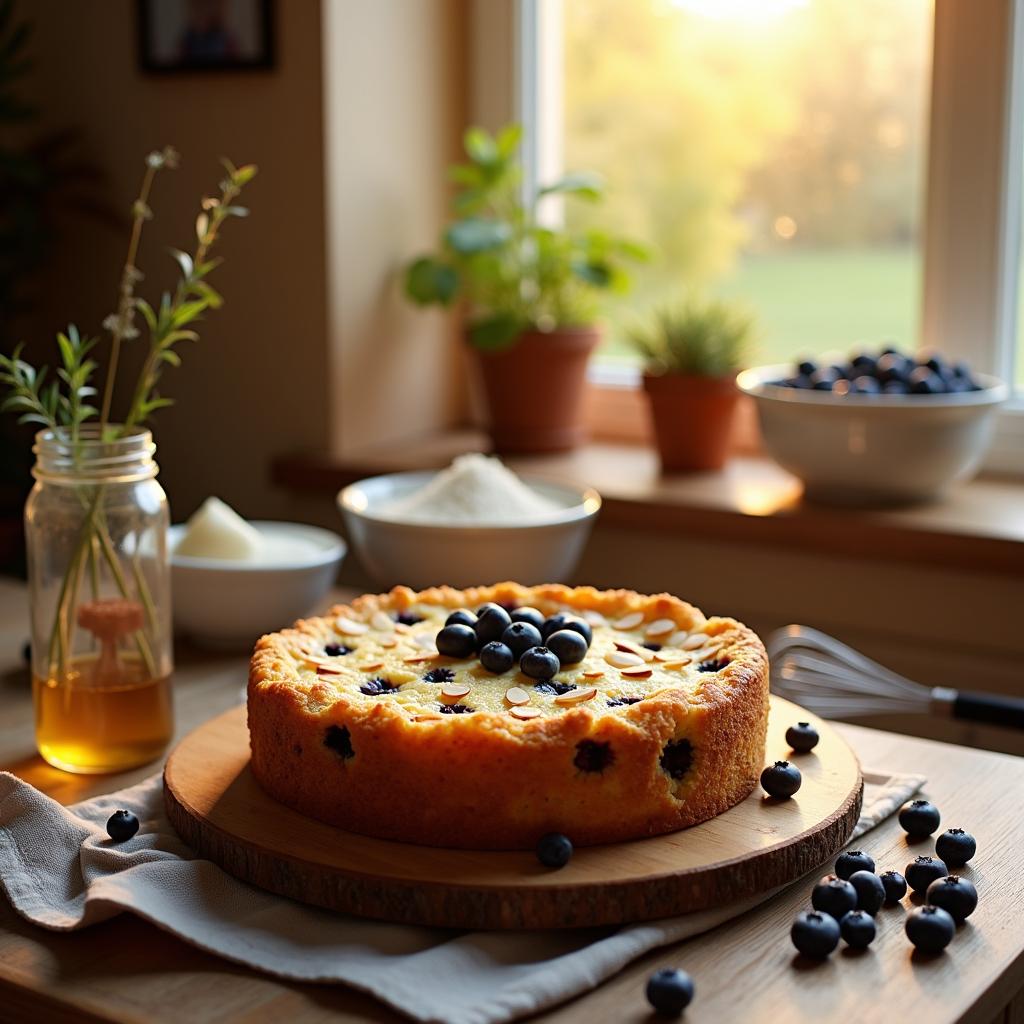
(692, 353)
(531, 290)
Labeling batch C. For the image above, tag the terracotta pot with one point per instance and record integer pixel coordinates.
(534, 390)
(693, 419)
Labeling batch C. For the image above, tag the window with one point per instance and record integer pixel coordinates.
(768, 151)
(903, 224)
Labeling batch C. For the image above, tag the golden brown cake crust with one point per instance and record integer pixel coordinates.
(393, 766)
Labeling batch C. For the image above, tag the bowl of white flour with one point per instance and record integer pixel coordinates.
(472, 523)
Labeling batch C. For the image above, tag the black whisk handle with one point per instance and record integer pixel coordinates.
(990, 708)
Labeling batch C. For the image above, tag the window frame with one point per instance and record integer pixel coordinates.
(972, 220)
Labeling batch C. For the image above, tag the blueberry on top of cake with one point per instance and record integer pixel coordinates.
(475, 726)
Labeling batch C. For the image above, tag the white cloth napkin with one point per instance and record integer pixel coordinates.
(60, 871)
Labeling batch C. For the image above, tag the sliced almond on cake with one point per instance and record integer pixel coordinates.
(643, 672)
(660, 627)
(640, 652)
(516, 695)
(672, 655)
(524, 714)
(576, 696)
(694, 640)
(411, 659)
(350, 627)
(382, 621)
(630, 621)
(455, 691)
(623, 659)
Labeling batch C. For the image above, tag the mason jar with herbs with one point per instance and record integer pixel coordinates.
(96, 533)
(96, 520)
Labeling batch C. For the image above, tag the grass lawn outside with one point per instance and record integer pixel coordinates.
(808, 302)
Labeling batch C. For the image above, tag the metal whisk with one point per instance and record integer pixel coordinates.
(835, 681)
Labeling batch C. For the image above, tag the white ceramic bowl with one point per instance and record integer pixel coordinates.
(424, 555)
(873, 449)
(229, 604)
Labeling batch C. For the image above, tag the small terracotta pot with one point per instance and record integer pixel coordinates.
(693, 419)
(534, 390)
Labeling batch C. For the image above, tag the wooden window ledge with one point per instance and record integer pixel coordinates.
(978, 527)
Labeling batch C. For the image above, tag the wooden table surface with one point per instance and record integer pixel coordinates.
(745, 970)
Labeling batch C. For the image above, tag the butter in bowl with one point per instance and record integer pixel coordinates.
(233, 580)
(474, 522)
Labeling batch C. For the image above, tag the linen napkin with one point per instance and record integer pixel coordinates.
(60, 871)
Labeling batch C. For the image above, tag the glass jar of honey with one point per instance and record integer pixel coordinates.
(96, 530)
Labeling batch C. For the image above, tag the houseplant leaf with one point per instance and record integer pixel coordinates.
(428, 280)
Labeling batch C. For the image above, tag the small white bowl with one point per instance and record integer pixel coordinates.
(425, 554)
(873, 449)
(230, 604)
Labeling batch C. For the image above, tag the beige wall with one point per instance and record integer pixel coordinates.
(256, 382)
(353, 132)
(394, 85)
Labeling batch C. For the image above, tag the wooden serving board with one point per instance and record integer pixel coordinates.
(218, 809)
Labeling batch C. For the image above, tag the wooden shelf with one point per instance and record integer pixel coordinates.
(979, 527)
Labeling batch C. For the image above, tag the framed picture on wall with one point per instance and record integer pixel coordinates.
(205, 35)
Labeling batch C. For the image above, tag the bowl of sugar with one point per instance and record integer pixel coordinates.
(233, 580)
(472, 523)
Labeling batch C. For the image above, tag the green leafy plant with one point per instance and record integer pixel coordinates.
(514, 271)
(704, 338)
(62, 401)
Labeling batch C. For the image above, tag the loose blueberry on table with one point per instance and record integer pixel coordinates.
(853, 860)
(554, 850)
(930, 929)
(781, 779)
(815, 934)
(956, 895)
(857, 929)
(922, 871)
(802, 737)
(834, 896)
(870, 891)
(919, 818)
(122, 825)
(895, 886)
(670, 991)
(956, 847)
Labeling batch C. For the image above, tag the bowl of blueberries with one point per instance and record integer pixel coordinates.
(880, 428)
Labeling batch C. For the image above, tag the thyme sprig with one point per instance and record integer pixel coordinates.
(47, 404)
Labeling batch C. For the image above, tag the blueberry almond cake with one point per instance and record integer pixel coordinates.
(486, 718)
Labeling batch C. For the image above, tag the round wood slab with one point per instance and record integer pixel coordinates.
(218, 809)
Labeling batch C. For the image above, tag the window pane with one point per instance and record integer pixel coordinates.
(768, 151)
